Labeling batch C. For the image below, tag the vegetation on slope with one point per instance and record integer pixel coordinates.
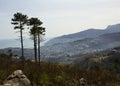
(55, 74)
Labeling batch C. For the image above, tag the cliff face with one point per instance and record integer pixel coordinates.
(17, 78)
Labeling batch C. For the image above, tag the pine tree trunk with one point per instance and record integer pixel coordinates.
(22, 48)
(35, 48)
(39, 48)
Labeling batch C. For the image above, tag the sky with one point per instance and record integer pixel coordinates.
(60, 17)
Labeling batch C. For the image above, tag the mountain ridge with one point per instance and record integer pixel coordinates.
(90, 33)
(86, 45)
(64, 52)
(64, 48)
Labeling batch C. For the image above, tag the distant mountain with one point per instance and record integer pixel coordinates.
(62, 48)
(90, 33)
(87, 45)
(82, 42)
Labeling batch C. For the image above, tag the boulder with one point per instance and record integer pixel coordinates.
(17, 78)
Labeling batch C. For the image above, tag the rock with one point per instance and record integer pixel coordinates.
(82, 82)
(17, 78)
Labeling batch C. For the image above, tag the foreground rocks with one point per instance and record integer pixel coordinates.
(17, 78)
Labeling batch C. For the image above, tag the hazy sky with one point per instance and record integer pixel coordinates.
(60, 17)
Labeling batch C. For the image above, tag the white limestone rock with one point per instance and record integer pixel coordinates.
(17, 78)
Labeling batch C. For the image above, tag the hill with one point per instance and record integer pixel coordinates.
(87, 45)
(108, 59)
(90, 33)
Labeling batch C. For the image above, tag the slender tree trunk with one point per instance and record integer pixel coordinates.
(35, 48)
(22, 49)
(39, 48)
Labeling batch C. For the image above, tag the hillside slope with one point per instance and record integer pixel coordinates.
(101, 42)
(90, 33)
